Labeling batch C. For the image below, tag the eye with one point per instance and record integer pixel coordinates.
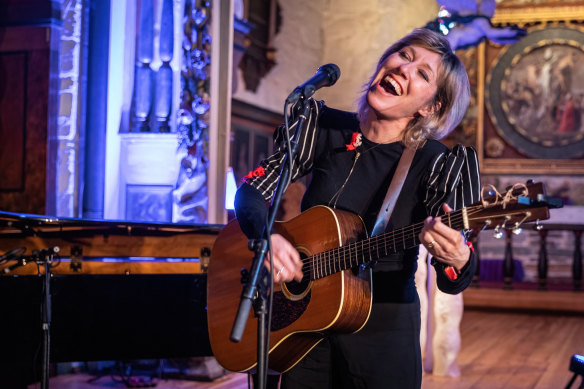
(404, 54)
(424, 75)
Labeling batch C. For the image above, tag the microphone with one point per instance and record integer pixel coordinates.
(326, 75)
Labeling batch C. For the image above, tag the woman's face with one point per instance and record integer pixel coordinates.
(405, 84)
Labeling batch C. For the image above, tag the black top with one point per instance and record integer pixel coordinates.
(357, 179)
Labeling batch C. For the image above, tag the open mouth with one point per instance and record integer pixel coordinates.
(390, 85)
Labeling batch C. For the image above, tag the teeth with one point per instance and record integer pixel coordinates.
(395, 85)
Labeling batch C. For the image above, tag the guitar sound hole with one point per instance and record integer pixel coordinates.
(297, 288)
(288, 310)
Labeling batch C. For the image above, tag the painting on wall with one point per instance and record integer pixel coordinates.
(533, 111)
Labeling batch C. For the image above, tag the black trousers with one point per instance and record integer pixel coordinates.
(384, 354)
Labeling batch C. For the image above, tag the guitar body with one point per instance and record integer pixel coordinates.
(334, 295)
(302, 312)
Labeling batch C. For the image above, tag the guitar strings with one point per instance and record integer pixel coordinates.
(363, 248)
(409, 240)
(326, 262)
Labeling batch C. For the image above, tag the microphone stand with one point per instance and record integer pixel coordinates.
(44, 258)
(255, 292)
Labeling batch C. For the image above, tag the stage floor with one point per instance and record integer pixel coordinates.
(499, 350)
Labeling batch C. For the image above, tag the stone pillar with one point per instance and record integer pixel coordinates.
(163, 95)
(96, 117)
(71, 127)
(143, 88)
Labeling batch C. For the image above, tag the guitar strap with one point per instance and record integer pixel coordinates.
(395, 187)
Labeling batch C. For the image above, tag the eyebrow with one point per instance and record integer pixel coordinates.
(422, 64)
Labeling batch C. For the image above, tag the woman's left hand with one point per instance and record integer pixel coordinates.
(444, 243)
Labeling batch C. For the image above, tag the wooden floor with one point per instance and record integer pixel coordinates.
(514, 350)
(499, 350)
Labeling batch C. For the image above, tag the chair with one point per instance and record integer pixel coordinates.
(576, 366)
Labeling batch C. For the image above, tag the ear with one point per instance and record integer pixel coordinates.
(429, 109)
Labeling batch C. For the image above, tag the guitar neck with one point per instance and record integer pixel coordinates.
(379, 246)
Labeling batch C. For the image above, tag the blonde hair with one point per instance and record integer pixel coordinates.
(452, 92)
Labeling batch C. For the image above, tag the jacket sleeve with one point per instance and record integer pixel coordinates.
(454, 178)
(265, 177)
(260, 184)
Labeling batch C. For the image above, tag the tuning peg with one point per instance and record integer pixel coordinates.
(498, 234)
(491, 192)
(516, 229)
(505, 222)
(529, 182)
(507, 189)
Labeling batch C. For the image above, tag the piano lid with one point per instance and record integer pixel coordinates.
(23, 224)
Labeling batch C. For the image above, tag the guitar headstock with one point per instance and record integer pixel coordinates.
(520, 204)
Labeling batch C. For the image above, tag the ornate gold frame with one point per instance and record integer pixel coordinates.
(547, 14)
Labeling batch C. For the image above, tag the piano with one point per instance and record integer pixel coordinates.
(119, 291)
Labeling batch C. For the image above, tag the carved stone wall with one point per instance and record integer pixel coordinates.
(190, 197)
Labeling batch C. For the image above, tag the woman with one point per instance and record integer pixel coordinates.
(418, 93)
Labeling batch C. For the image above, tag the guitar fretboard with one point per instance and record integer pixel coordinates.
(371, 249)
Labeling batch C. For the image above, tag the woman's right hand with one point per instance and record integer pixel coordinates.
(287, 263)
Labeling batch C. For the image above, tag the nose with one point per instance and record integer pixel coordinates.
(406, 69)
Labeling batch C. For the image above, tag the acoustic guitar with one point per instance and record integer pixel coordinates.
(335, 292)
